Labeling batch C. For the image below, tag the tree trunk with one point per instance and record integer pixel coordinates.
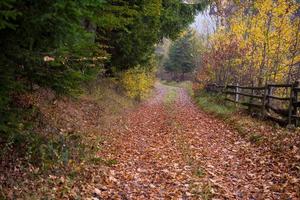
(294, 52)
(263, 64)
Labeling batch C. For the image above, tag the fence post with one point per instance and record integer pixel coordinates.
(224, 90)
(295, 108)
(265, 100)
(292, 108)
(269, 93)
(237, 96)
(251, 99)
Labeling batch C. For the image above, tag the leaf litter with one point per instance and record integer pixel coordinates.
(164, 145)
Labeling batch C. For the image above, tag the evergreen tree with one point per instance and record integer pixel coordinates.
(134, 43)
(181, 58)
(35, 32)
(60, 44)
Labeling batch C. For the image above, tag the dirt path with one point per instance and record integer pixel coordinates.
(169, 149)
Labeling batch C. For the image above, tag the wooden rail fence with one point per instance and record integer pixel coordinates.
(278, 102)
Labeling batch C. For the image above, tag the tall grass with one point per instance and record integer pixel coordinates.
(215, 104)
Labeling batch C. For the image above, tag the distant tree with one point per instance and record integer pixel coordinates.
(181, 56)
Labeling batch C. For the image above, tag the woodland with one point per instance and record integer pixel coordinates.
(111, 99)
(257, 42)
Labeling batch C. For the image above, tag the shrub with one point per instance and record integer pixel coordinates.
(137, 82)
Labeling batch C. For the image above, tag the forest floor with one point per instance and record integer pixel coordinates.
(169, 149)
(164, 148)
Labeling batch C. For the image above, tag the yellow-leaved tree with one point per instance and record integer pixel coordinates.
(266, 38)
(138, 82)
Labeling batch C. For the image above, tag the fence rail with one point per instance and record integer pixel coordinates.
(261, 99)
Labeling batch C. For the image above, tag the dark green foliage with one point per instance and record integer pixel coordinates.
(32, 31)
(150, 21)
(64, 44)
(7, 13)
(177, 16)
(181, 58)
(45, 28)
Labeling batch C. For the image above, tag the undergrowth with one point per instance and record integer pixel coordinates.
(110, 94)
(254, 130)
(48, 141)
(60, 146)
(215, 104)
(138, 83)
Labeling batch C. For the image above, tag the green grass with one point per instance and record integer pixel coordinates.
(109, 162)
(215, 104)
(255, 138)
(200, 172)
(171, 93)
(187, 85)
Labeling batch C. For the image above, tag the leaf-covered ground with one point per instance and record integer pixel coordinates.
(166, 148)
(169, 149)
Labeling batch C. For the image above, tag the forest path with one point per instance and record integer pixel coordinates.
(169, 149)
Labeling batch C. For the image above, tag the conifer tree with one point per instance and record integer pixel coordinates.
(181, 56)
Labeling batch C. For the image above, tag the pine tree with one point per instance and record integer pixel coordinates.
(181, 56)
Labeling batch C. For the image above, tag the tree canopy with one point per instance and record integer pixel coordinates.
(257, 43)
(62, 44)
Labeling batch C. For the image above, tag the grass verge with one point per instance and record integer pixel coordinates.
(215, 104)
(254, 130)
(278, 143)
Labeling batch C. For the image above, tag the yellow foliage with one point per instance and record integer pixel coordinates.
(137, 82)
(267, 33)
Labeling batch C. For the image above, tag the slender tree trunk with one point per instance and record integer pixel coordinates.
(294, 52)
(264, 62)
(276, 62)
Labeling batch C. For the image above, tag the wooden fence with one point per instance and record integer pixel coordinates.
(279, 102)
